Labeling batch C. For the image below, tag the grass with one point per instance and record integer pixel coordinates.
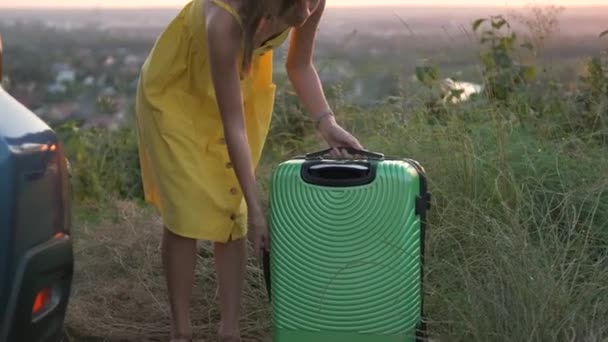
(517, 245)
(119, 293)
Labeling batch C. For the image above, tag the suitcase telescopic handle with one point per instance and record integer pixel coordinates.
(350, 150)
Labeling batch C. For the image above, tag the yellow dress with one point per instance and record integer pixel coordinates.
(185, 166)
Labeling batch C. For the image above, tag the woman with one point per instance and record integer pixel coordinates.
(204, 105)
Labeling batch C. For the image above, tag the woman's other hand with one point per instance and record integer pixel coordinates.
(258, 231)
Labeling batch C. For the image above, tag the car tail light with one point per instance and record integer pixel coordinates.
(42, 301)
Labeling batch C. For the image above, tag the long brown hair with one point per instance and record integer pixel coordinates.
(252, 13)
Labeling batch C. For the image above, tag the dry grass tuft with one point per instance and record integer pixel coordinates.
(119, 291)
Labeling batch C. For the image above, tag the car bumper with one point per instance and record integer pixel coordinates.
(42, 281)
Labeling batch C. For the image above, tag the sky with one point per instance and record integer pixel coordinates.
(332, 3)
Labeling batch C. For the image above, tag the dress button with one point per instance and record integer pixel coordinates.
(233, 217)
(233, 191)
(222, 141)
(228, 165)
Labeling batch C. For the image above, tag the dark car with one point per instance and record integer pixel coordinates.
(36, 256)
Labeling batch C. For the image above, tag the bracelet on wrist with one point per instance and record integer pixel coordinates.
(321, 117)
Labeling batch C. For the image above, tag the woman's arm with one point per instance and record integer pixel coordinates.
(224, 42)
(307, 84)
(301, 70)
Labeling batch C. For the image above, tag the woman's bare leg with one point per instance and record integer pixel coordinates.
(179, 259)
(231, 262)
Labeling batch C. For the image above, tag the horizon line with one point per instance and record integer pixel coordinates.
(84, 7)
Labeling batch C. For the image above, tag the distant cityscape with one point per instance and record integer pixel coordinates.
(97, 94)
(83, 64)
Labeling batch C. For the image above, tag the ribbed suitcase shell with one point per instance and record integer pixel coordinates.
(347, 250)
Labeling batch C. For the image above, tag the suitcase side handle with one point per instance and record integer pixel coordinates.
(350, 150)
(266, 272)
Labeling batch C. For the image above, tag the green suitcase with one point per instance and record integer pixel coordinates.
(347, 249)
